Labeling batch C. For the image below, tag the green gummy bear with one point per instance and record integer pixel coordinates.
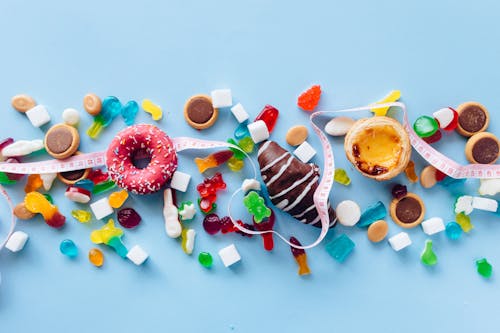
(484, 268)
(341, 177)
(246, 144)
(238, 154)
(428, 256)
(255, 206)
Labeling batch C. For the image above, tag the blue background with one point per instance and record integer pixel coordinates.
(437, 53)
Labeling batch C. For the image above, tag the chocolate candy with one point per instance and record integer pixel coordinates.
(472, 118)
(199, 112)
(408, 211)
(61, 141)
(482, 148)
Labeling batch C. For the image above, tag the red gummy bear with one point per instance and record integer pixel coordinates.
(97, 176)
(309, 99)
(210, 186)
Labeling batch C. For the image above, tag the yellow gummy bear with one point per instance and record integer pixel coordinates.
(152, 108)
(393, 96)
(104, 234)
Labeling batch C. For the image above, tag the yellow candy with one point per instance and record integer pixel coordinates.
(464, 222)
(235, 164)
(116, 199)
(104, 234)
(152, 108)
(393, 96)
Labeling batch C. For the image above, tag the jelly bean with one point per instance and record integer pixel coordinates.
(153, 109)
(187, 210)
(309, 99)
(213, 160)
(428, 257)
(241, 131)
(129, 111)
(81, 216)
(170, 215)
(398, 191)
(373, 213)
(434, 137)
(118, 198)
(340, 248)
(205, 259)
(425, 126)
(97, 176)
(255, 206)
(211, 224)
(266, 225)
(484, 268)
(4, 179)
(68, 248)
(111, 236)
(453, 230)
(235, 164)
(36, 203)
(238, 154)
(246, 144)
(128, 218)
(103, 187)
(393, 96)
(300, 257)
(464, 222)
(296, 135)
(410, 172)
(341, 177)
(96, 257)
(268, 115)
(71, 116)
(188, 237)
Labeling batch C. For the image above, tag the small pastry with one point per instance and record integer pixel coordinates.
(482, 148)
(408, 211)
(379, 147)
(62, 141)
(472, 118)
(71, 177)
(199, 112)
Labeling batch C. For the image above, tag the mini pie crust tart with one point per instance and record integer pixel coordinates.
(72, 177)
(199, 112)
(473, 118)
(482, 148)
(408, 211)
(379, 147)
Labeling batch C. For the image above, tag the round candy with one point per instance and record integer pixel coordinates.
(428, 177)
(61, 141)
(23, 103)
(199, 112)
(296, 135)
(425, 126)
(68, 248)
(155, 144)
(92, 104)
(408, 211)
(472, 118)
(339, 126)
(96, 257)
(482, 148)
(453, 230)
(211, 224)
(348, 213)
(377, 231)
(71, 116)
(128, 218)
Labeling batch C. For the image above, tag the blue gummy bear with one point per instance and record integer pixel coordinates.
(111, 108)
(117, 245)
(129, 111)
(340, 247)
(373, 213)
(241, 131)
(86, 184)
(68, 248)
(453, 230)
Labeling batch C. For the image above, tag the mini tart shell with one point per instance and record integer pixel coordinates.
(73, 147)
(209, 123)
(358, 129)
(67, 181)
(473, 140)
(461, 108)
(394, 205)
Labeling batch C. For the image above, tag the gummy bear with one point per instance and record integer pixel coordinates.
(341, 177)
(153, 109)
(118, 198)
(213, 160)
(269, 115)
(464, 222)
(33, 183)
(453, 230)
(393, 96)
(81, 216)
(96, 257)
(266, 225)
(129, 111)
(300, 257)
(111, 236)
(428, 257)
(35, 202)
(246, 144)
(97, 176)
(241, 131)
(205, 259)
(235, 164)
(208, 190)
(255, 206)
(410, 172)
(309, 99)
(484, 268)
(425, 126)
(238, 154)
(68, 248)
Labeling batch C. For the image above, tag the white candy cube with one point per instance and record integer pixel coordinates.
(250, 184)
(101, 208)
(180, 181)
(304, 152)
(137, 255)
(464, 205)
(239, 113)
(400, 241)
(433, 225)
(258, 131)
(444, 116)
(17, 241)
(38, 115)
(490, 205)
(489, 186)
(222, 98)
(229, 255)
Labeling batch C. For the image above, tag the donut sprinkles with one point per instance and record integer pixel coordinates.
(156, 144)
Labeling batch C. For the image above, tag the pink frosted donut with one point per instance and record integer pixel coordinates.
(147, 140)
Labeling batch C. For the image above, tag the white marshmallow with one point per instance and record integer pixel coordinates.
(137, 255)
(400, 241)
(489, 186)
(444, 117)
(222, 98)
(17, 241)
(173, 227)
(38, 115)
(433, 225)
(304, 152)
(490, 205)
(348, 213)
(180, 181)
(258, 131)
(229, 255)
(22, 148)
(71, 116)
(101, 208)
(250, 184)
(239, 113)
(464, 205)
(48, 180)
(339, 126)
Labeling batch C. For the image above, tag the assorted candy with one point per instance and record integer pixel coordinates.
(300, 257)
(68, 248)
(309, 99)
(428, 257)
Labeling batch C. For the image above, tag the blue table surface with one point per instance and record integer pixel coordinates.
(437, 53)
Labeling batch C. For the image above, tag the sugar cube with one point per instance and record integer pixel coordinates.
(304, 152)
(239, 113)
(17, 241)
(221, 98)
(180, 181)
(490, 205)
(137, 255)
(38, 115)
(229, 255)
(101, 208)
(433, 225)
(400, 241)
(258, 131)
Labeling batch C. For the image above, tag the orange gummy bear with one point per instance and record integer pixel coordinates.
(309, 99)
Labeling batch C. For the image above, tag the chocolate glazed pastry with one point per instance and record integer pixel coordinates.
(290, 183)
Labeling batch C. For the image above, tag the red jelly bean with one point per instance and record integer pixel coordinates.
(266, 224)
(269, 115)
(211, 224)
(433, 138)
(128, 218)
(309, 99)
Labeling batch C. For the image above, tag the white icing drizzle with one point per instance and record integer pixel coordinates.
(302, 195)
(263, 147)
(282, 170)
(315, 220)
(274, 162)
(294, 185)
(282, 204)
(304, 212)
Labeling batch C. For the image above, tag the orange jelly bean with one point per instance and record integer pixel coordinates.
(96, 257)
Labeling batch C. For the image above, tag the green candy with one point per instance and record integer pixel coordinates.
(341, 177)
(428, 257)
(255, 206)
(246, 144)
(103, 187)
(4, 180)
(238, 154)
(205, 259)
(425, 126)
(484, 268)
